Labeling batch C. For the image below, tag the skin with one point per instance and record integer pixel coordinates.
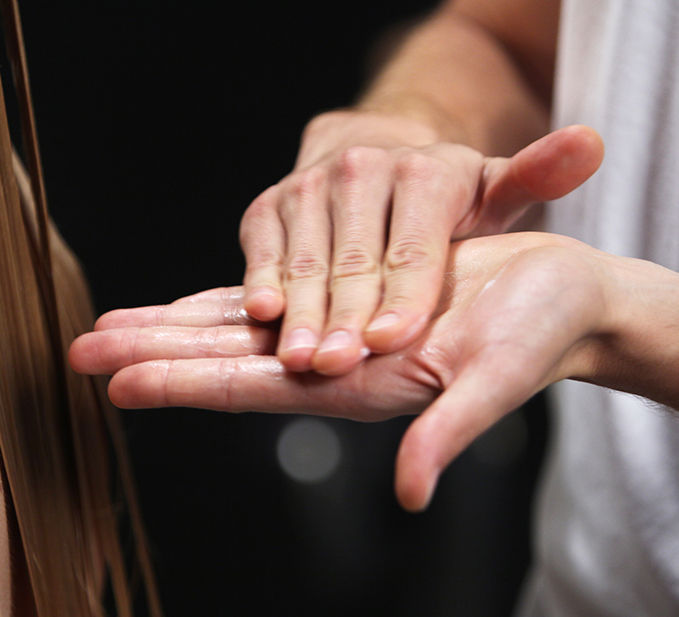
(448, 142)
(350, 247)
(517, 312)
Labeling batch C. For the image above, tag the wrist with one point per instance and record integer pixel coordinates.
(420, 110)
(343, 128)
(635, 346)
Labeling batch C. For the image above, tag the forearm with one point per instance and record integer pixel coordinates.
(455, 75)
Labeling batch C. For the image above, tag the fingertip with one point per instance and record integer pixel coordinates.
(139, 386)
(264, 303)
(334, 359)
(414, 485)
(118, 391)
(108, 320)
(424, 452)
(298, 361)
(580, 142)
(76, 355)
(392, 331)
(592, 143)
(297, 348)
(84, 355)
(584, 132)
(559, 162)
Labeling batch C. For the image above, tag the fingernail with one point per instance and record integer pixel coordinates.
(339, 339)
(300, 338)
(383, 321)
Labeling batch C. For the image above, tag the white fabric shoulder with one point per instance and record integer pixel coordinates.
(607, 541)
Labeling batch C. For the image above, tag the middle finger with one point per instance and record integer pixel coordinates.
(360, 193)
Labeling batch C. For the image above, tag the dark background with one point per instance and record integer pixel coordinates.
(159, 122)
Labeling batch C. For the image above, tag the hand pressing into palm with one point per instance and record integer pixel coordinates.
(351, 246)
(517, 312)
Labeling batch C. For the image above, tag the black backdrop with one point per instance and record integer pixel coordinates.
(159, 122)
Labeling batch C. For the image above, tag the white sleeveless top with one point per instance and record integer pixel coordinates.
(607, 539)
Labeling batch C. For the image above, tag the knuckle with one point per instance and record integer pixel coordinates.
(306, 265)
(416, 167)
(397, 299)
(257, 214)
(215, 341)
(133, 343)
(403, 298)
(319, 124)
(205, 340)
(307, 182)
(160, 315)
(264, 257)
(244, 230)
(344, 316)
(127, 349)
(265, 200)
(356, 161)
(408, 253)
(353, 262)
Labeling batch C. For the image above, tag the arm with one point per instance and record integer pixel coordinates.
(476, 72)
(518, 312)
(352, 244)
(637, 348)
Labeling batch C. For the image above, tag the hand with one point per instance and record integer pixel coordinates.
(352, 245)
(518, 311)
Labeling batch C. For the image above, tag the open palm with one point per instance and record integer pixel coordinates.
(513, 317)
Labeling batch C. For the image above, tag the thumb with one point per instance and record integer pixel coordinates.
(548, 168)
(467, 408)
(432, 441)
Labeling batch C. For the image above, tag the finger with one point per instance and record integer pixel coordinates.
(377, 390)
(305, 218)
(360, 194)
(214, 308)
(492, 384)
(262, 239)
(255, 383)
(547, 169)
(233, 294)
(107, 351)
(423, 215)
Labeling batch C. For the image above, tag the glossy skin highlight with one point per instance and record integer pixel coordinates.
(350, 247)
(518, 312)
(444, 144)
